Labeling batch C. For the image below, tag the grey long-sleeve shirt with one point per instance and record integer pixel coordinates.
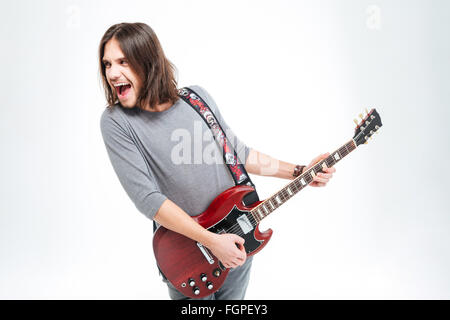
(169, 154)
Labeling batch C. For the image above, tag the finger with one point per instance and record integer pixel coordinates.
(317, 159)
(320, 184)
(324, 156)
(325, 175)
(320, 179)
(242, 254)
(231, 265)
(239, 240)
(330, 170)
(239, 261)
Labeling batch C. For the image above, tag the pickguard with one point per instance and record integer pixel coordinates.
(230, 224)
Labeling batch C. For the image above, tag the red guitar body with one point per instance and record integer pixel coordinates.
(191, 267)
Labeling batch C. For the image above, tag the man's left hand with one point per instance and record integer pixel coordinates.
(321, 179)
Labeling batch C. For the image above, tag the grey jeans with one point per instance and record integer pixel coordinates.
(233, 288)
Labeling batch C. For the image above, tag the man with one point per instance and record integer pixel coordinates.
(138, 128)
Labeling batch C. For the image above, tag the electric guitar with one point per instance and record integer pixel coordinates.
(192, 268)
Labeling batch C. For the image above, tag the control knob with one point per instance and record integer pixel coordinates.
(216, 272)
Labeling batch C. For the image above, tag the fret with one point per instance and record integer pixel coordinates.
(294, 185)
(336, 156)
(317, 168)
(252, 218)
(330, 161)
(308, 177)
(272, 203)
(289, 191)
(286, 194)
(348, 146)
(351, 146)
(303, 181)
(261, 214)
(278, 199)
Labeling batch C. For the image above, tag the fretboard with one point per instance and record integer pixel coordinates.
(270, 204)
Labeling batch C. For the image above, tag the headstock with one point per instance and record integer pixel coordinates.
(369, 124)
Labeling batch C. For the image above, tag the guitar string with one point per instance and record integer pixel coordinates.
(343, 151)
(283, 195)
(235, 228)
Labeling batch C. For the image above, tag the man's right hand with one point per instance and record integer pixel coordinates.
(228, 248)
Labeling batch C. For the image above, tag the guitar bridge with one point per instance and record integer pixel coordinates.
(205, 252)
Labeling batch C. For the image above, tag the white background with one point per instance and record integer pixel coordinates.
(289, 77)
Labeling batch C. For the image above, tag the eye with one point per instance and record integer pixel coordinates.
(123, 62)
(107, 65)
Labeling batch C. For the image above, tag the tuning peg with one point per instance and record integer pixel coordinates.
(367, 112)
(356, 122)
(361, 116)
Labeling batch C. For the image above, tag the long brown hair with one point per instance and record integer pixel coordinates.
(145, 56)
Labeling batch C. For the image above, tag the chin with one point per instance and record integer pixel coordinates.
(127, 105)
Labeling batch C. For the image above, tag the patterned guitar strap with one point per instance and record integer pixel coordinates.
(236, 168)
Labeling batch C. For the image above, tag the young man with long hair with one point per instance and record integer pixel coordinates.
(138, 126)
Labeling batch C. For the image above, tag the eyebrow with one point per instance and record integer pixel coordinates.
(120, 58)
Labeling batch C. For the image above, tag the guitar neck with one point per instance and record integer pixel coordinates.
(270, 204)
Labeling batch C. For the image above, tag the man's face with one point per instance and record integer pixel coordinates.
(124, 82)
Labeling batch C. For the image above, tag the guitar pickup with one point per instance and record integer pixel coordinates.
(245, 224)
(205, 252)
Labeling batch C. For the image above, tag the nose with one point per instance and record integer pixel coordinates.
(113, 72)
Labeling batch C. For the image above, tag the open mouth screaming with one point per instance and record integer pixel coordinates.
(122, 89)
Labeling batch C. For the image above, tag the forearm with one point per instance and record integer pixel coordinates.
(228, 248)
(264, 165)
(176, 219)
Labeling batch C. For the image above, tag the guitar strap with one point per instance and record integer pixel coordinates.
(237, 170)
(231, 160)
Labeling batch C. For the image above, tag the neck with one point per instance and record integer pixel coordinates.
(270, 204)
(159, 107)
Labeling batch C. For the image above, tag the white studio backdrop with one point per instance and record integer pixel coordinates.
(289, 77)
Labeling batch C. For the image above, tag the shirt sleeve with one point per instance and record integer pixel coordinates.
(130, 167)
(242, 150)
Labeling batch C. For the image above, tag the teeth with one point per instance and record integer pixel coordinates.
(120, 84)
